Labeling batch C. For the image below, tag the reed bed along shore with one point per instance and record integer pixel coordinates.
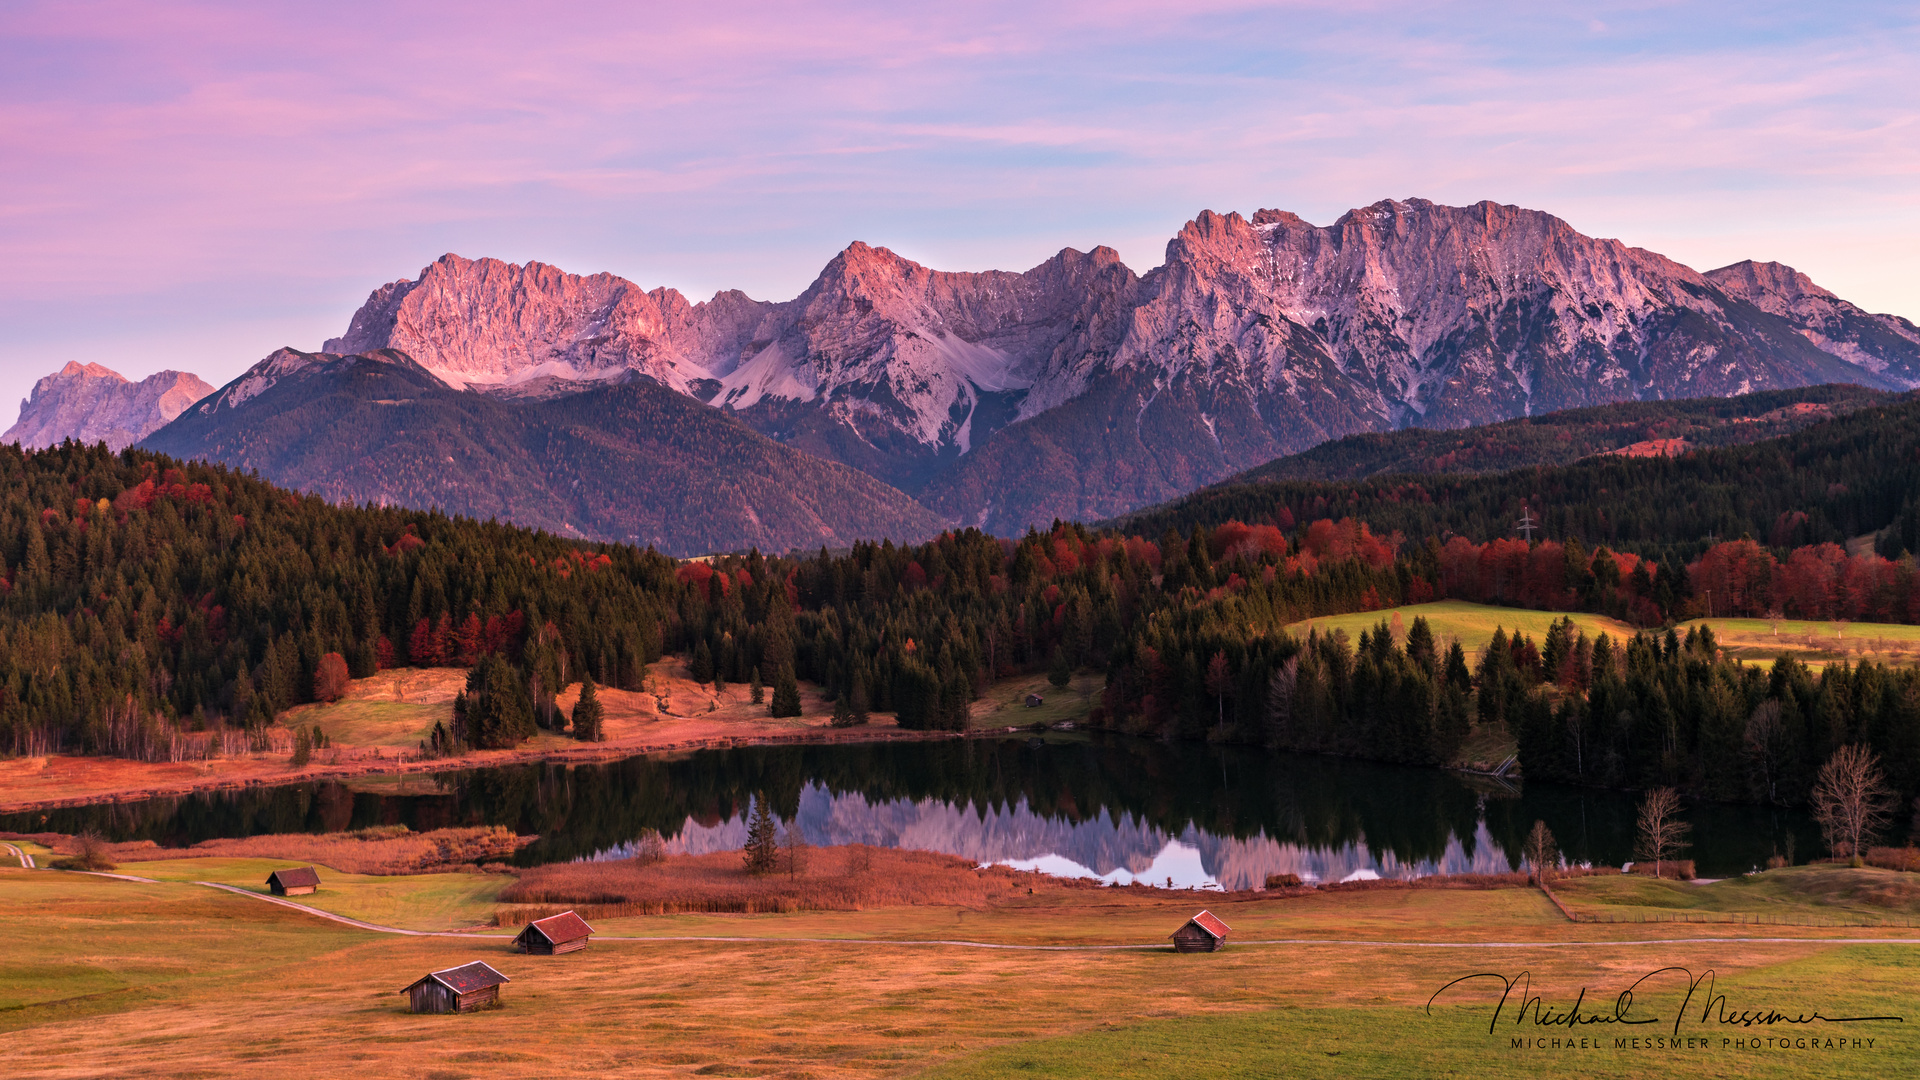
(384, 850)
(853, 877)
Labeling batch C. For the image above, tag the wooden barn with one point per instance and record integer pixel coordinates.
(456, 990)
(1203, 933)
(295, 882)
(556, 934)
(1034, 701)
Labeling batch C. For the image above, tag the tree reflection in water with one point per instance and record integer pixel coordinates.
(1115, 807)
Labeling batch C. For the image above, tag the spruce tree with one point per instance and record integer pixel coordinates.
(1060, 672)
(587, 714)
(762, 851)
(757, 688)
(842, 713)
(858, 703)
(786, 693)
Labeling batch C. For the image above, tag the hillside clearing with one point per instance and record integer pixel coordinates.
(1472, 624)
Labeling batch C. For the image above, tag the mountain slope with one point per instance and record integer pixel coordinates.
(1078, 389)
(631, 461)
(91, 403)
(1635, 428)
(1827, 483)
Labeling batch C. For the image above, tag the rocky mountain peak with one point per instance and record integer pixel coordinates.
(93, 403)
(483, 321)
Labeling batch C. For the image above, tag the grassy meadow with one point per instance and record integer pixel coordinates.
(1004, 702)
(1472, 624)
(1817, 644)
(175, 979)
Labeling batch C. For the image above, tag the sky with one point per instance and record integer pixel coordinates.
(192, 185)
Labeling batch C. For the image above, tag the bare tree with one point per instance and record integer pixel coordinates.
(794, 851)
(651, 848)
(1541, 851)
(1662, 833)
(1851, 801)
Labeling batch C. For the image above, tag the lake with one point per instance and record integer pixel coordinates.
(1113, 808)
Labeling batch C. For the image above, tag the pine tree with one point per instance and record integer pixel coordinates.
(587, 714)
(842, 713)
(1060, 672)
(786, 693)
(757, 688)
(762, 851)
(302, 748)
(858, 702)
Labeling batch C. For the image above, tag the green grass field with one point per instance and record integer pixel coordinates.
(1817, 644)
(1003, 704)
(411, 902)
(106, 977)
(1800, 892)
(169, 979)
(1472, 624)
(374, 723)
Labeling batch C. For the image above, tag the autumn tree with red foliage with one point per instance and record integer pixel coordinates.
(330, 678)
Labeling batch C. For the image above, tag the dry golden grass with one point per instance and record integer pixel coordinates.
(177, 980)
(377, 728)
(388, 850)
(853, 877)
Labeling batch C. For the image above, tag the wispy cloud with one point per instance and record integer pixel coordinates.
(187, 175)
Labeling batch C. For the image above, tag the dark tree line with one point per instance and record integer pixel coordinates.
(144, 600)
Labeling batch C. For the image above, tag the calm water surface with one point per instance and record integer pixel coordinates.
(1117, 809)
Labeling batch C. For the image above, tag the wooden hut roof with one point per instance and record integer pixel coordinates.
(557, 929)
(1211, 923)
(299, 877)
(464, 979)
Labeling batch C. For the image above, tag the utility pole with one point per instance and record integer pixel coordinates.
(1526, 523)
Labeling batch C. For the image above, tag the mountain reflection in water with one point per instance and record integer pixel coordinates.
(1121, 850)
(1114, 808)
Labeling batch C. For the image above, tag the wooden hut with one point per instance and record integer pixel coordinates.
(1034, 701)
(298, 881)
(1203, 933)
(556, 934)
(456, 990)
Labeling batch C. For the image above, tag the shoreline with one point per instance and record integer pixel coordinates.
(586, 753)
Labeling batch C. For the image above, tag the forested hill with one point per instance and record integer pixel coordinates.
(1836, 480)
(141, 598)
(163, 611)
(1638, 428)
(633, 461)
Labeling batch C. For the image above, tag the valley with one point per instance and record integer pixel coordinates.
(643, 1004)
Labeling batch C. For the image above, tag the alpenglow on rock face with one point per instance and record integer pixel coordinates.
(1079, 390)
(92, 404)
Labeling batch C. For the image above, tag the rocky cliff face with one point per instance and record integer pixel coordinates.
(1886, 344)
(483, 321)
(1264, 336)
(95, 404)
(1077, 389)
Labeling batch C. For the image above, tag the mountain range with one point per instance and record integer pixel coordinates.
(1077, 389)
(626, 459)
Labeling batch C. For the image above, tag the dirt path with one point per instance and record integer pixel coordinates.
(26, 860)
(963, 944)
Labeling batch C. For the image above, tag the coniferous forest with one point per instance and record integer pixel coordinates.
(146, 604)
